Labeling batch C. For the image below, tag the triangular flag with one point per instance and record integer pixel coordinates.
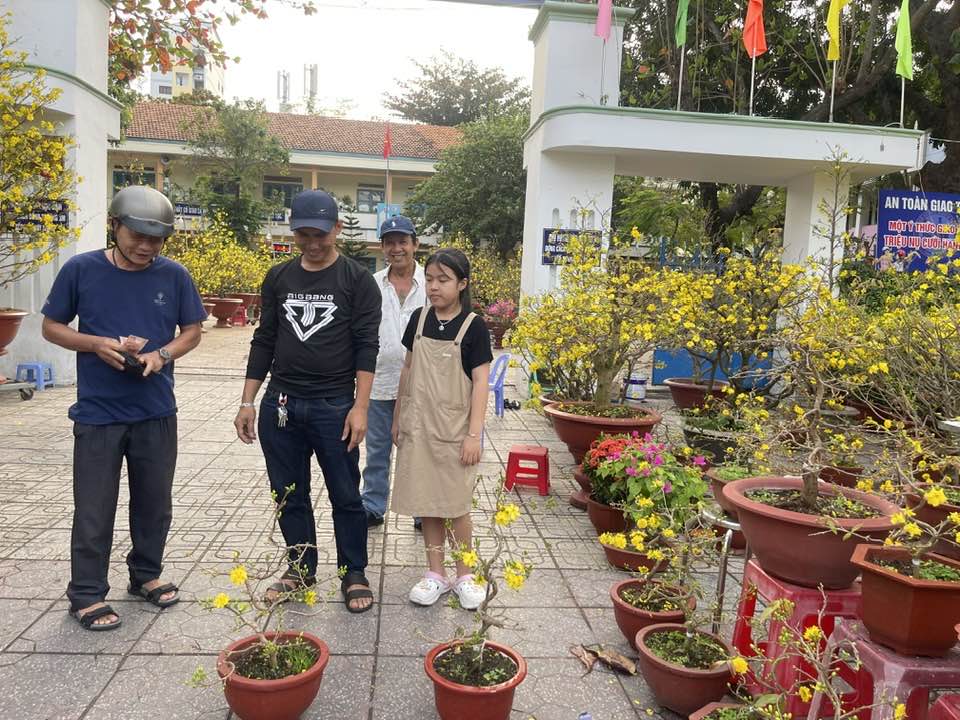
(681, 26)
(904, 43)
(604, 19)
(754, 37)
(833, 27)
(387, 142)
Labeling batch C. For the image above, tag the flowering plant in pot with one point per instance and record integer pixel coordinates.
(602, 318)
(273, 673)
(714, 428)
(474, 678)
(499, 318)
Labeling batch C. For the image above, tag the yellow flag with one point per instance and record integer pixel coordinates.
(833, 28)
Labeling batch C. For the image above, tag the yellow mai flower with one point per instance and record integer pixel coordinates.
(616, 540)
(656, 554)
(515, 574)
(898, 518)
(310, 598)
(913, 530)
(935, 497)
(865, 485)
(805, 693)
(506, 514)
(956, 538)
(221, 600)
(954, 517)
(469, 558)
(900, 712)
(812, 634)
(238, 576)
(636, 540)
(739, 665)
(669, 533)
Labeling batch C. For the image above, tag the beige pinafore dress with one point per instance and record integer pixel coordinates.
(430, 480)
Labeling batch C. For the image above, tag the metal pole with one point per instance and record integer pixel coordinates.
(833, 88)
(903, 95)
(603, 69)
(753, 76)
(386, 187)
(680, 84)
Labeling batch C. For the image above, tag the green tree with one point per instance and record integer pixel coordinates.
(453, 91)
(232, 150)
(479, 185)
(351, 242)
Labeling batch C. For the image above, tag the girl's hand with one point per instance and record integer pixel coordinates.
(470, 451)
(395, 432)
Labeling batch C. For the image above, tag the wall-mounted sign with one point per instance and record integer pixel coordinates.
(555, 241)
(913, 226)
(57, 210)
(279, 246)
(188, 209)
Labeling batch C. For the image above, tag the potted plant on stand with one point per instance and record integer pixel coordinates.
(474, 678)
(499, 318)
(602, 319)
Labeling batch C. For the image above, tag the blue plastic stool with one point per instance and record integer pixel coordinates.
(498, 373)
(39, 373)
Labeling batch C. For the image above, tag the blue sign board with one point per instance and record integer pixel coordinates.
(913, 226)
(555, 240)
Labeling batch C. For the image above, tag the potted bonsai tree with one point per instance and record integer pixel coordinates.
(499, 318)
(474, 677)
(602, 318)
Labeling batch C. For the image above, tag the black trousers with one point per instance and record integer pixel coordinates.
(150, 449)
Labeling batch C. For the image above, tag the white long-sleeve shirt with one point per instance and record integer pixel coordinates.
(393, 322)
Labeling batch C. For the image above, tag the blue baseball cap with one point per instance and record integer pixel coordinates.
(398, 224)
(313, 209)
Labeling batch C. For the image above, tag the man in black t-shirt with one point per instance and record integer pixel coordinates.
(318, 338)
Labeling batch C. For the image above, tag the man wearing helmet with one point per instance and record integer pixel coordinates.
(125, 407)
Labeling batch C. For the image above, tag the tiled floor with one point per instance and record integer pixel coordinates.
(51, 668)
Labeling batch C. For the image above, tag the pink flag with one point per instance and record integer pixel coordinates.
(604, 19)
(754, 36)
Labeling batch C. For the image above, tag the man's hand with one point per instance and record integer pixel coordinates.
(470, 451)
(246, 424)
(108, 350)
(152, 362)
(395, 433)
(355, 427)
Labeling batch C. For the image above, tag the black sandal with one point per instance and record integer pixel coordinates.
(356, 578)
(288, 585)
(87, 619)
(153, 596)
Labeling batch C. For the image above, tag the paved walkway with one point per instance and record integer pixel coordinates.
(51, 668)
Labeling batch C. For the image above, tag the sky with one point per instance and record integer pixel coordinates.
(362, 47)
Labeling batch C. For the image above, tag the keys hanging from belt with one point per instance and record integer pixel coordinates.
(282, 411)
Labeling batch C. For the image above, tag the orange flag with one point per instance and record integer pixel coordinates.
(754, 37)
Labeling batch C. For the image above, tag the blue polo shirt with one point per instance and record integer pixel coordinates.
(111, 302)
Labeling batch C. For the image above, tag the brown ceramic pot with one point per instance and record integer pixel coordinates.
(579, 431)
(578, 499)
(912, 616)
(10, 320)
(871, 412)
(605, 518)
(223, 309)
(465, 702)
(709, 708)
(631, 560)
(283, 699)
(715, 445)
(497, 329)
(675, 687)
(688, 394)
(632, 620)
(798, 547)
(934, 516)
(845, 475)
(716, 486)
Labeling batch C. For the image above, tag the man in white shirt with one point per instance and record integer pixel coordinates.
(401, 284)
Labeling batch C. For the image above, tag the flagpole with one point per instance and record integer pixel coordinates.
(680, 84)
(603, 69)
(833, 89)
(753, 76)
(903, 96)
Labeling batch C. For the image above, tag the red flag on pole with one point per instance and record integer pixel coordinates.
(754, 37)
(387, 142)
(604, 19)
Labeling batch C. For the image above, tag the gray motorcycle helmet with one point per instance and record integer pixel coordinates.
(143, 210)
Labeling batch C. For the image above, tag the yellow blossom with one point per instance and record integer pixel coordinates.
(469, 558)
(310, 598)
(805, 693)
(813, 634)
(616, 540)
(900, 712)
(935, 497)
(506, 514)
(221, 600)
(913, 530)
(238, 576)
(739, 665)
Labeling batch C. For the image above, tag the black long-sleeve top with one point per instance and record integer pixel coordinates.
(317, 329)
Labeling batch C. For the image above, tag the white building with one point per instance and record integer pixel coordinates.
(204, 73)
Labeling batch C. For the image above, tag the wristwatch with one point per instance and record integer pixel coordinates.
(165, 355)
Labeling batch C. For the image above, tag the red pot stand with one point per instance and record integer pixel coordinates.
(807, 604)
(885, 674)
(947, 707)
(528, 465)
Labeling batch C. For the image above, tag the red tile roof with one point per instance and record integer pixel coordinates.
(159, 120)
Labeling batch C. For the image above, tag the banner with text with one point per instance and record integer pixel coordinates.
(914, 226)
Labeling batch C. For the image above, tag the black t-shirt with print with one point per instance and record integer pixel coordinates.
(317, 328)
(475, 349)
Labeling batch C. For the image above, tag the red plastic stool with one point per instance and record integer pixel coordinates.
(807, 606)
(528, 465)
(884, 675)
(239, 318)
(946, 708)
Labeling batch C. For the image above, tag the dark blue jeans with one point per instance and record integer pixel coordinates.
(314, 427)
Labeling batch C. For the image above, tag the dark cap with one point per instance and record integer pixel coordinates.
(313, 209)
(398, 224)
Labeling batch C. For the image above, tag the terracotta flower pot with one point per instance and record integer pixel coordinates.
(578, 499)
(912, 616)
(631, 560)
(716, 486)
(249, 299)
(688, 394)
(675, 687)
(283, 699)
(223, 309)
(934, 516)
(798, 547)
(714, 444)
(498, 329)
(465, 702)
(605, 518)
(709, 708)
(208, 306)
(10, 320)
(872, 412)
(579, 431)
(632, 620)
(845, 475)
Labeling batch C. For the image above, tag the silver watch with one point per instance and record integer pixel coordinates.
(165, 355)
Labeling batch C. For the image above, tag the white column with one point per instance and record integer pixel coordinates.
(811, 201)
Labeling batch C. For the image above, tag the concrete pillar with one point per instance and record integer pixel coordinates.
(813, 200)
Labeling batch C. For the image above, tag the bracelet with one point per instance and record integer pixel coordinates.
(473, 435)
(243, 404)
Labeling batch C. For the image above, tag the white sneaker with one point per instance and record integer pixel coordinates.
(428, 590)
(469, 593)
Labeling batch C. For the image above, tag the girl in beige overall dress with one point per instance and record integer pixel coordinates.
(438, 421)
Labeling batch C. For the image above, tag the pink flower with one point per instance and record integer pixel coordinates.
(667, 488)
(645, 472)
(658, 460)
(615, 456)
(631, 471)
(700, 460)
(636, 433)
(648, 437)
